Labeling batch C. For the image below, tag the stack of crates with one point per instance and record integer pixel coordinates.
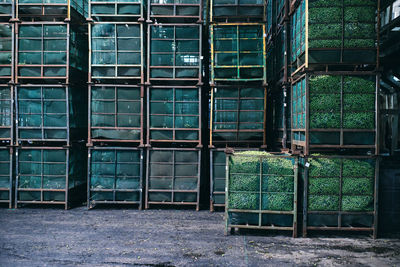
(334, 102)
(115, 100)
(174, 82)
(49, 64)
(278, 59)
(238, 84)
(7, 38)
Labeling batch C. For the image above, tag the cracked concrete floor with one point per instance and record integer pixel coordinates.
(127, 237)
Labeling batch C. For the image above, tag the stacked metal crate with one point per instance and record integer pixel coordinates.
(7, 51)
(334, 101)
(116, 108)
(238, 84)
(174, 97)
(49, 66)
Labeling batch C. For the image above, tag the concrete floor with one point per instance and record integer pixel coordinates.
(121, 237)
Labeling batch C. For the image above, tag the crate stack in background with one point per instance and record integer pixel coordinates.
(116, 102)
(334, 107)
(49, 69)
(174, 103)
(238, 84)
(7, 51)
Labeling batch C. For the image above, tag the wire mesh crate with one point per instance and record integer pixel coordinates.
(173, 114)
(6, 114)
(173, 176)
(116, 52)
(340, 193)
(174, 11)
(116, 10)
(335, 111)
(115, 176)
(261, 192)
(50, 113)
(50, 52)
(6, 175)
(238, 52)
(115, 114)
(50, 175)
(7, 51)
(238, 116)
(237, 10)
(174, 54)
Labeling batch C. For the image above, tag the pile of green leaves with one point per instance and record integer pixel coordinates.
(244, 201)
(277, 201)
(359, 120)
(324, 167)
(244, 182)
(324, 120)
(323, 186)
(276, 183)
(358, 186)
(357, 203)
(323, 203)
(358, 168)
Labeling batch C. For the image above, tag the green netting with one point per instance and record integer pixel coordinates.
(115, 107)
(118, 8)
(6, 48)
(174, 47)
(6, 8)
(237, 109)
(236, 8)
(173, 170)
(52, 7)
(6, 111)
(115, 169)
(332, 178)
(5, 174)
(116, 45)
(275, 189)
(219, 176)
(182, 8)
(171, 109)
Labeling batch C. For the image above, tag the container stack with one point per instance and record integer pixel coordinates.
(7, 38)
(116, 108)
(174, 97)
(50, 107)
(238, 84)
(334, 101)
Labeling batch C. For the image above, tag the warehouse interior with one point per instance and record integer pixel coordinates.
(259, 116)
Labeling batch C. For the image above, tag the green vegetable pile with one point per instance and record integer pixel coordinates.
(329, 19)
(324, 184)
(358, 102)
(277, 181)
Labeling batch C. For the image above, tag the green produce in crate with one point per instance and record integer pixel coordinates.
(357, 203)
(324, 3)
(359, 13)
(354, 84)
(325, 186)
(244, 182)
(277, 183)
(359, 120)
(358, 168)
(244, 201)
(277, 201)
(358, 102)
(324, 120)
(324, 84)
(323, 203)
(325, 15)
(325, 102)
(355, 186)
(279, 166)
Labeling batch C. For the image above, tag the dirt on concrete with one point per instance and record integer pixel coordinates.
(163, 238)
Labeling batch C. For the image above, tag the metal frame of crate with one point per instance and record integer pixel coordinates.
(115, 10)
(177, 9)
(172, 191)
(340, 227)
(347, 58)
(114, 191)
(259, 211)
(8, 175)
(305, 145)
(10, 138)
(238, 11)
(71, 133)
(196, 56)
(68, 192)
(117, 67)
(238, 110)
(71, 72)
(282, 11)
(115, 114)
(174, 114)
(238, 52)
(11, 14)
(282, 118)
(3, 39)
(42, 10)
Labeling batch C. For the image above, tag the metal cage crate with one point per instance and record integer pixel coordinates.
(6, 114)
(173, 176)
(237, 10)
(7, 51)
(335, 111)
(50, 175)
(115, 114)
(174, 11)
(115, 176)
(6, 175)
(116, 10)
(261, 192)
(174, 114)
